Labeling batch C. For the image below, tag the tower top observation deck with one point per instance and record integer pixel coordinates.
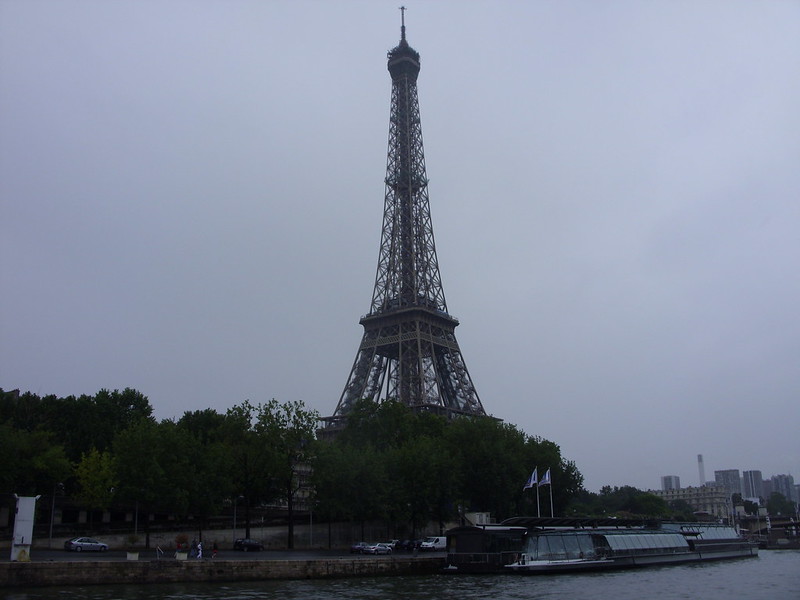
(403, 59)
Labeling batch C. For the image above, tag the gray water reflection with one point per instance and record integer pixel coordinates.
(775, 574)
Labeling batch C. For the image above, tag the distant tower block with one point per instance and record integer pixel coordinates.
(408, 353)
(701, 469)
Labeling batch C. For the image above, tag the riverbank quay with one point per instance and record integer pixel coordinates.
(66, 573)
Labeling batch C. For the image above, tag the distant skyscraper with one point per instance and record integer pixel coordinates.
(784, 484)
(729, 479)
(753, 486)
(701, 470)
(670, 482)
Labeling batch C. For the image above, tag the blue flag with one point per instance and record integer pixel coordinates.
(546, 479)
(532, 480)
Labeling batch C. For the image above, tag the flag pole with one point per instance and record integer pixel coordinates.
(551, 500)
(538, 510)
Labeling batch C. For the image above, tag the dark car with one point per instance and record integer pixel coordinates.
(358, 548)
(409, 545)
(247, 545)
(85, 544)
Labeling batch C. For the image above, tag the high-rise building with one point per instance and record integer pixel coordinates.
(701, 470)
(729, 480)
(784, 484)
(670, 482)
(752, 485)
(408, 352)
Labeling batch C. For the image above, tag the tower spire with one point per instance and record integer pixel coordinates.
(403, 10)
(409, 351)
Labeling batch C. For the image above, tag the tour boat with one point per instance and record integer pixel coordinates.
(540, 545)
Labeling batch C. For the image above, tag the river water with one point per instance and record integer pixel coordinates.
(774, 575)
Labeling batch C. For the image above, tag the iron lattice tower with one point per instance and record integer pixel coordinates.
(409, 351)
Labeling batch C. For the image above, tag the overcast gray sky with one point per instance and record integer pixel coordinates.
(191, 196)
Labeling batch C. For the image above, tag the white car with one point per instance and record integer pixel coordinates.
(433, 543)
(85, 544)
(379, 548)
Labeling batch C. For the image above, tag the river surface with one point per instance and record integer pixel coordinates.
(774, 575)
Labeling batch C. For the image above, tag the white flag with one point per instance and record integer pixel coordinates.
(546, 478)
(532, 480)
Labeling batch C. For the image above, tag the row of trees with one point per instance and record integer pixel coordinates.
(628, 501)
(388, 464)
(399, 466)
(108, 450)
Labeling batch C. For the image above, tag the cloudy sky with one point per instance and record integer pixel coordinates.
(191, 196)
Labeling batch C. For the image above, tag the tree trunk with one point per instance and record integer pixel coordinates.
(290, 510)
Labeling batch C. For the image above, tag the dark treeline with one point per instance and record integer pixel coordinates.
(389, 464)
(394, 465)
(107, 451)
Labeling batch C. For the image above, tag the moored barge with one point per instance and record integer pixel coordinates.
(540, 545)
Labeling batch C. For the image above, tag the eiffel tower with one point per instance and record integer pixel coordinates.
(409, 351)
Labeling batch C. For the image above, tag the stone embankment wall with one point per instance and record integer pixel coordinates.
(16, 574)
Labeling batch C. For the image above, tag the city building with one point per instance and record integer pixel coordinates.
(784, 484)
(752, 484)
(670, 482)
(729, 480)
(712, 501)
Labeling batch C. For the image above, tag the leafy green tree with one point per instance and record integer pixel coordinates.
(491, 463)
(154, 468)
(207, 426)
(625, 501)
(288, 430)
(681, 510)
(778, 504)
(75, 423)
(34, 464)
(251, 459)
(422, 475)
(96, 478)
(750, 507)
(350, 483)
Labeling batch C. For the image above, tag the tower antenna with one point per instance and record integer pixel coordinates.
(403, 10)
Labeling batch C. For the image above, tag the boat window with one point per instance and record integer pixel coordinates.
(557, 550)
(586, 546)
(551, 547)
(543, 552)
(571, 546)
(617, 542)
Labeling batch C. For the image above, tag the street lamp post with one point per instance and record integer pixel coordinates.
(235, 503)
(57, 486)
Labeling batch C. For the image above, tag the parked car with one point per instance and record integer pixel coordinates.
(408, 545)
(393, 544)
(433, 543)
(247, 545)
(85, 544)
(358, 548)
(378, 548)
(404, 545)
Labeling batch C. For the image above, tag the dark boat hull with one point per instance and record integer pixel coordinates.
(583, 546)
(622, 562)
